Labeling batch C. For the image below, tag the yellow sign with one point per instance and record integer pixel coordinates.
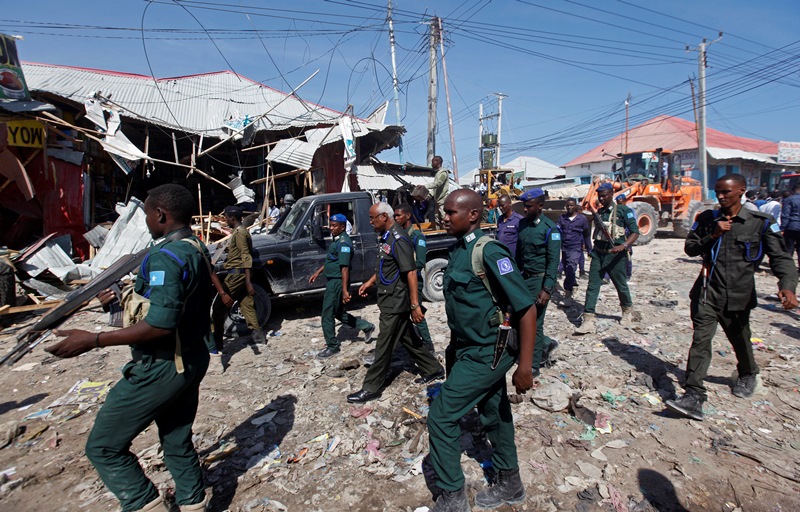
(27, 134)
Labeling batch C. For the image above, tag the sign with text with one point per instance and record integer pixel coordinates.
(26, 134)
(788, 152)
(12, 81)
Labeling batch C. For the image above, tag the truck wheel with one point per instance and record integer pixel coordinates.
(236, 325)
(434, 277)
(646, 220)
(683, 226)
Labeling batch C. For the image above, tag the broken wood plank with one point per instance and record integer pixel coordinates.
(34, 298)
(31, 307)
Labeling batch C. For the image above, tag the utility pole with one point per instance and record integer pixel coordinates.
(432, 89)
(627, 104)
(395, 82)
(500, 97)
(702, 151)
(449, 111)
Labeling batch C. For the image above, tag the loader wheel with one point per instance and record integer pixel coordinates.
(646, 220)
(683, 226)
(433, 289)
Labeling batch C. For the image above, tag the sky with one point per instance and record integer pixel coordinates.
(566, 67)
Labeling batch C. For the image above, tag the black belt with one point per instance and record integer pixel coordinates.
(529, 274)
(158, 353)
(237, 270)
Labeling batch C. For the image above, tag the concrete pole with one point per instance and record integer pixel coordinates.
(500, 97)
(449, 111)
(702, 152)
(480, 136)
(396, 83)
(432, 90)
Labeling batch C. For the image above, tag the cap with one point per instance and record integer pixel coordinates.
(621, 197)
(288, 198)
(606, 185)
(338, 217)
(233, 210)
(531, 194)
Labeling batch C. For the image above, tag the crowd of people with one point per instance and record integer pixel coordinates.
(496, 297)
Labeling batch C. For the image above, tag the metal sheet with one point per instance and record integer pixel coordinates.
(293, 152)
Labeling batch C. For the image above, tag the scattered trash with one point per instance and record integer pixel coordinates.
(581, 413)
(433, 390)
(613, 399)
(664, 303)
(84, 392)
(553, 396)
(652, 399)
(360, 412)
(412, 413)
(350, 364)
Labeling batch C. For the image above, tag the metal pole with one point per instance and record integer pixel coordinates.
(701, 125)
(447, 97)
(500, 97)
(432, 89)
(480, 136)
(396, 83)
(627, 102)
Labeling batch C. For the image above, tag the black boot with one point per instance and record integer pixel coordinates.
(455, 501)
(507, 490)
(689, 405)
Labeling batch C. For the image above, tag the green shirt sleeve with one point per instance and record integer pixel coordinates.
(504, 275)
(629, 219)
(553, 257)
(404, 254)
(242, 244)
(167, 293)
(345, 253)
(421, 248)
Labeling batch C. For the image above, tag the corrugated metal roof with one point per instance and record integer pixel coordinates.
(293, 152)
(195, 104)
(738, 154)
(671, 133)
(371, 179)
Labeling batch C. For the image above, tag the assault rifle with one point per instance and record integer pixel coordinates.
(603, 229)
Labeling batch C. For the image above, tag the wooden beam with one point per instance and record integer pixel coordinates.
(282, 175)
(30, 307)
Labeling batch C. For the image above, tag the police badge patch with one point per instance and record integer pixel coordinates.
(504, 266)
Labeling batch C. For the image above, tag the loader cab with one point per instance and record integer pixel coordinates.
(655, 166)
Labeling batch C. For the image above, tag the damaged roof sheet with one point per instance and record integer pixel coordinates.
(195, 103)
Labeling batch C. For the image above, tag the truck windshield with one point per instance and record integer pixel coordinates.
(295, 214)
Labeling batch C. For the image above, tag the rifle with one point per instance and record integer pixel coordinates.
(604, 230)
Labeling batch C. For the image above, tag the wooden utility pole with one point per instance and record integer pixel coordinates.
(432, 89)
(449, 111)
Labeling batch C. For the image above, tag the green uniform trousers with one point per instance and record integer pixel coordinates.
(472, 382)
(332, 310)
(534, 284)
(396, 328)
(615, 266)
(422, 327)
(235, 285)
(735, 324)
(150, 390)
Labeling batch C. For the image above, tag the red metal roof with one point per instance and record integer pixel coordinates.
(672, 133)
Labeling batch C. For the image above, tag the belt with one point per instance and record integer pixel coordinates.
(158, 353)
(236, 270)
(531, 274)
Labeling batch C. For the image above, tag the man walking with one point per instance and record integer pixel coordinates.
(169, 359)
(730, 241)
(398, 302)
(610, 257)
(508, 224)
(790, 223)
(402, 216)
(439, 188)
(238, 283)
(537, 255)
(478, 375)
(337, 291)
(575, 236)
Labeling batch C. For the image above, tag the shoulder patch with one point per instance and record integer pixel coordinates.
(157, 278)
(555, 236)
(470, 237)
(345, 248)
(421, 243)
(694, 226)
(775, 228)
(504, 266)
(630, 215)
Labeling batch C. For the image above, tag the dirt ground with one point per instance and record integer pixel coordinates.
(276, 433)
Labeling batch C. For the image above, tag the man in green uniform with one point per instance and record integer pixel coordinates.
(731, 241)
(337, 291)
(402, 216)
(237, 284)
(169, 359)
(398, 301)
(478, 376)
(538, 253)
(610, 257)
(439, 188)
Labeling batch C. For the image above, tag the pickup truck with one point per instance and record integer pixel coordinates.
(298, 245)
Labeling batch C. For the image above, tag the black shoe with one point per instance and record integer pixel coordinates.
(328, 352)
(547, 360)
(507, 490)
(689, 405)
(438, 374)
(745, 385)
(259, 337)
(455, 501)
(359, 397)
(368, 335)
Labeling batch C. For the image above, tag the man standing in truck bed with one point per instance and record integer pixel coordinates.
(439, 188)
(337, 290)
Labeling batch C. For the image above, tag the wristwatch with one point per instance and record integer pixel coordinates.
(414, 306)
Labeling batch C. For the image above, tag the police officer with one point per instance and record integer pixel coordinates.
(337, 290)
(398, 301)
(730, 240)
(508, 224)
(439, 188)
(610, 257)
(472, 381)
(402, 216)
(238, 284)
(575, 235)
(169, 359)
(538, 252)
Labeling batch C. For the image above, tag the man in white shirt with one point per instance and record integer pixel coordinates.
(772, 207)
